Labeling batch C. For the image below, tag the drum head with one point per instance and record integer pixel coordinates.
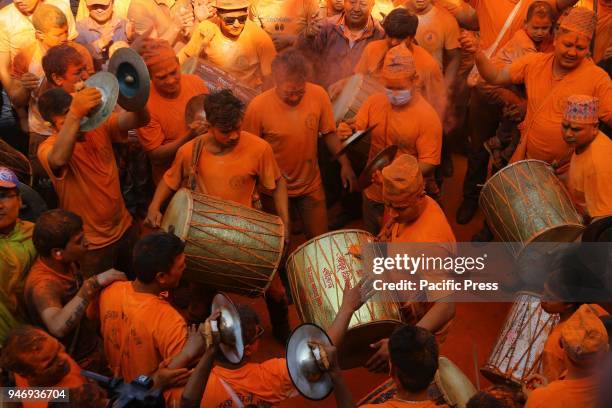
(355, 350)
(380, 161)
(195, 109)
(347, 96)
(454, 385)
(307, 377)
(231, 345)
(177, 218)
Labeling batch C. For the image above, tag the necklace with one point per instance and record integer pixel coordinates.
(408, 401)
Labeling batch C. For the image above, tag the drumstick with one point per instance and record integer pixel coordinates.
(476, 372)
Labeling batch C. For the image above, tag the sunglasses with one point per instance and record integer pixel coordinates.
(230, 20)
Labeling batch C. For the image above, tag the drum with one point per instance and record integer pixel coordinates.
(217, 79)
(229, 247)
(518, 351)
(450, 387)
(356, 90)
(525, 202)
(317, 272)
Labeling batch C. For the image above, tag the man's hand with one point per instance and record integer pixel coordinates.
(30, 81)
(377, 177)
(110, 276)
(198, 127)
(607, 53)
(469, 42)
(379, 362)
(515, 112)
(332, 358)
(84, 101)
(187, 18)
(344, 131)
(282, 41)
(349, 180)
(165, 377)
(154, 217)
(212, 338)
(354, 297)
(204, 9)
(106, 36)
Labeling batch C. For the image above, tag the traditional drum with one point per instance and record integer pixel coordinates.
(518, 351)
(525, 202)
(217, 79)
(229, 247)
(356, 90)
(450, 386)
(317, 272)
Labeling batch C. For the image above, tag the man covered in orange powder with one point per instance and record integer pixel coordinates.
(585, 342)
(234, 43)
(83, 170)
(590, 169)
(403, 118)
(39, 360)
(415, 218)
(549, 80)
(170, 92)
(291, 117)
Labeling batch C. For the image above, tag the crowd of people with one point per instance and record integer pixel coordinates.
(92, 284)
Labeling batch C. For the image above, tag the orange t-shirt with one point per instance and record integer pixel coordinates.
(546, 99)
(603, 35)
(438, 30)
(248, 58)
(293, 131)
(73, 379)
(89, 185)
(284, 17)
(590, 178)
(232, 176)
(492, 16)
(566, 394)
(415, 128)
(266, 383)
(430, 82)
(140, 330)
(395, 403)
(167, 119)
(553, 356)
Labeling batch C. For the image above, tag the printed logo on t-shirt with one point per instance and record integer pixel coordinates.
(430, 37)
(311, 121)
(238, 182)
(242, 62)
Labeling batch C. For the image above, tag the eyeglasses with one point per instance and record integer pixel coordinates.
(230, 20)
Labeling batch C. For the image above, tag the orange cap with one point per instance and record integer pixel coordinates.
(402, 180)
(580, 20)
(583, 335)
(398, 64)
(156, 51)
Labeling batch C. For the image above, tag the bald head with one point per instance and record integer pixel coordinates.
(48, 16)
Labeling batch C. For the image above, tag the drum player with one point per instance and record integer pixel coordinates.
(403, 118)
(414, 217)
(229, 164)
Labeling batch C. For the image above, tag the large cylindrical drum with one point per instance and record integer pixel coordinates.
(217, 79)
(518, 351)
(229, 247)
(317, 272)
(525, 202)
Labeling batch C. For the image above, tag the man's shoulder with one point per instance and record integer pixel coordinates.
(423, 58)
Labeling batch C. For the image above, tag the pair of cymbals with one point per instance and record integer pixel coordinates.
(229, 328)
(127, 82)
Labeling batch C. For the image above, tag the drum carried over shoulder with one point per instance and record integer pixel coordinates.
(518, 351)
(229, 247)
(217, 79)
(317, 272)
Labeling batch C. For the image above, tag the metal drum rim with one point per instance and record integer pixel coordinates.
(318, 237)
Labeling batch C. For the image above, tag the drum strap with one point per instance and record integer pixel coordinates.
(230, 391)
(195, 159)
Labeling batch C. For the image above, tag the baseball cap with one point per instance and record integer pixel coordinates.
(8, 179)
(232, 4)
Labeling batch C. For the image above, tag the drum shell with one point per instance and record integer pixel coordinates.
(525, 202)
(229, 247)
(518, 350)
(317, 272)
(217, 79)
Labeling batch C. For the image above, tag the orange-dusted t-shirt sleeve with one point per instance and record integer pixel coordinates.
(265, 383)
